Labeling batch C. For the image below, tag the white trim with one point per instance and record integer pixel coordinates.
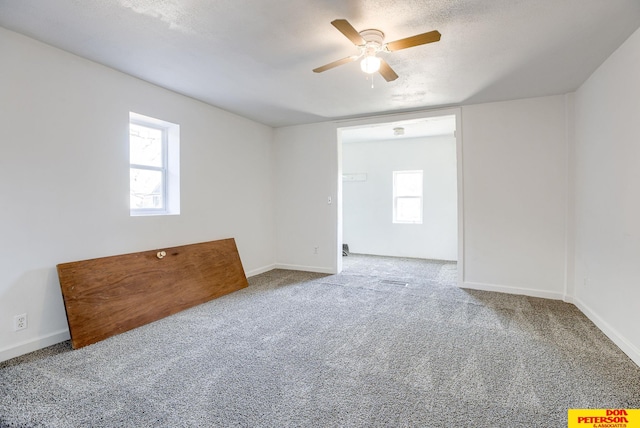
(33, 345)
(260, 270)
(460, 189)
(512, 290)
(316, 269)
(383, 118)
(396, 196)
(625, 346)
(170, 168)
(339, 230)
(162, 168)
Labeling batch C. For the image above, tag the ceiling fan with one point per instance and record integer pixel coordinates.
(369, 43)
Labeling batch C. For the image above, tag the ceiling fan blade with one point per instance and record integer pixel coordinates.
(347, 29)
(386, 71)
(417, 40)
(335, 64)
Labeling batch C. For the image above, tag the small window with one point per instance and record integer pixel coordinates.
(407, 197)
(154, 186)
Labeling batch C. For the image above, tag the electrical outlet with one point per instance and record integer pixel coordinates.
(315, 250)
(19, 322)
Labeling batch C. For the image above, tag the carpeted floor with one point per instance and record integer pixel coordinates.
(389, 342)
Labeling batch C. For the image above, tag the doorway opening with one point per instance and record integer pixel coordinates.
(400, 188)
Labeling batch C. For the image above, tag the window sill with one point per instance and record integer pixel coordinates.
(151, 213)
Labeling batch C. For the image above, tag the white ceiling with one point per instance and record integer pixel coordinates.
(254, 57)
(414, 128)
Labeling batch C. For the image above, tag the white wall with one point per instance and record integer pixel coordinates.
(607, 197)
(514, 157)
(306, 175)
(367, 205)
(64, 179)
(515, 196)
(307, 170)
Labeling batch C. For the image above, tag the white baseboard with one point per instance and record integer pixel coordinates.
(260, 270)
(316, 269)
(627, 347)
(621, 342)
(513, 290)
(33, 345)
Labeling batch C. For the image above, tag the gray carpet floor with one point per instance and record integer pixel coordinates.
(389, 342)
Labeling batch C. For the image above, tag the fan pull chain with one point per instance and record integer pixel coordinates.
(370, 76)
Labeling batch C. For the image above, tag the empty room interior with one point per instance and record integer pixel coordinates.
(385, 166)
(429, 210)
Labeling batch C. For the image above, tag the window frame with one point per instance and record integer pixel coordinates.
(397, 196)
(169, 168)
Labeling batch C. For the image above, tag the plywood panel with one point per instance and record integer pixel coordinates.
(110, 295)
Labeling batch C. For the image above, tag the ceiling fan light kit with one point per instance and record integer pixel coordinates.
(373, 44)
(370, 64)
(370, 43)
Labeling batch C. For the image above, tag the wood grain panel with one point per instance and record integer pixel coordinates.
(110, 295)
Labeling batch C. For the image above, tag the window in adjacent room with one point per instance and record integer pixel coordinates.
(154, 170)
(407, 197)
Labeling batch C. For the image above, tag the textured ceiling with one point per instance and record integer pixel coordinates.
(414, 128)
(254, 57)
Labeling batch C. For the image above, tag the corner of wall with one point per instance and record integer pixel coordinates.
(626, 346)
(33, 345)
(570, 142)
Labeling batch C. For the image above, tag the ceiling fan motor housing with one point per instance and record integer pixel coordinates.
(374, 41)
